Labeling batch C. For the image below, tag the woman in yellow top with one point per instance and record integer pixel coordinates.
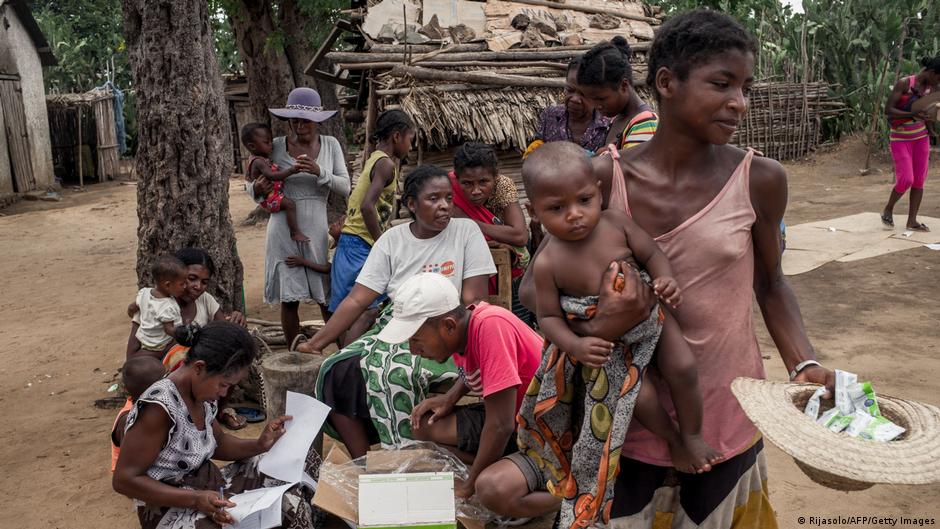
(370, 208)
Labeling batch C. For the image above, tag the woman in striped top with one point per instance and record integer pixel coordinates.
(910, 146)
(606, 80)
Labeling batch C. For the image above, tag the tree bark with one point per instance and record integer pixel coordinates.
(184, 154)
(268, 73)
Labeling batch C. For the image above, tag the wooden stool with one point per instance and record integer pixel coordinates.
(503, 261)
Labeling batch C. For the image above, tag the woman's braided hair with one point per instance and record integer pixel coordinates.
(223, 346)
(607, 64)
(390, 122)
(416, 180)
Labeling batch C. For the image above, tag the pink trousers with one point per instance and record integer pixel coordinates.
(910, 163)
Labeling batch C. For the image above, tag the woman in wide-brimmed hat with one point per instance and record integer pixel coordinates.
(287, 278)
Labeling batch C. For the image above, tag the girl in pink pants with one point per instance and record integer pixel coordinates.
(910, 145)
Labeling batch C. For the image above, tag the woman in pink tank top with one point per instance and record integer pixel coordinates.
(715, 210)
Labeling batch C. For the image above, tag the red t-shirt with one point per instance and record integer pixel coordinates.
(502, 352)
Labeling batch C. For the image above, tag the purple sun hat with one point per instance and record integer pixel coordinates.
(303, 103)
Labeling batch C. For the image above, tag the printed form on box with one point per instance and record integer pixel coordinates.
(424, 500)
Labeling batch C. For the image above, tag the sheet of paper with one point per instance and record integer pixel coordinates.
(406, 499)
(285, 460)
(258, 508)
(309, 481)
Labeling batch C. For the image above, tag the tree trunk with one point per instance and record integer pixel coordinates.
(299, 27)
(184, 154)
(266, 68)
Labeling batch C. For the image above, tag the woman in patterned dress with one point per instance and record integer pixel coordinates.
(172, 434)
(371, 386)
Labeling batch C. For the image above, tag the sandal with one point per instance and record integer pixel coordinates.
(251, 413)
(232, 420)
(887, 219)
(920, 226)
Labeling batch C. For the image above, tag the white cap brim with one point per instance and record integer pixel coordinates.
(400, 330)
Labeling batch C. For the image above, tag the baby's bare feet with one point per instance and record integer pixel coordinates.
(299, 237)
(693, 455)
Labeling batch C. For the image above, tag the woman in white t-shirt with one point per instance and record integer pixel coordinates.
(196, 306)
(372, 386)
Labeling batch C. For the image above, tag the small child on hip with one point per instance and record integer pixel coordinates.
(138, 374)
(567, 201)
(258, 139)
(159, 310)
(575, 416)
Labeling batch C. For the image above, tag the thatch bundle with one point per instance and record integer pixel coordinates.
(504, 117)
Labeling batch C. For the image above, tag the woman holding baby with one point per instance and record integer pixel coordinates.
(288, 279)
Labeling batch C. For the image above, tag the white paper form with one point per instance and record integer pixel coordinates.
(406, 499)
(285, 460)
(258, 508)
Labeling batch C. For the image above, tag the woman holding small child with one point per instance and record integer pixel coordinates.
(196, 306)
(714, 210)
(293, 268)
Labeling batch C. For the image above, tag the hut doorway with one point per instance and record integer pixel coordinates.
(84, 138)
(17, 138)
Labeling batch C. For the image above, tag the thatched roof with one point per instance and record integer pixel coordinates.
(490, 86)
(72, 100)
(506, 117)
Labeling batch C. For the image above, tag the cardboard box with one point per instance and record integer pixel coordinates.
(338, 492)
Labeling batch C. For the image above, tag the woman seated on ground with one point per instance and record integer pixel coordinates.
(372, 387)
(490, 199)
(196, 306)
(172, 434)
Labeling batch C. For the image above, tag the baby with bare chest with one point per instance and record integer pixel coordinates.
(585, 240)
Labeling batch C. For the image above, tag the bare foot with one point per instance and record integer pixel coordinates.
(693, 455)
(299, 237)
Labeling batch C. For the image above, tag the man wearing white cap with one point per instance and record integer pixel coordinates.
(495, 353)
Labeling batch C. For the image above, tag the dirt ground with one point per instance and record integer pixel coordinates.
(67, 274)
